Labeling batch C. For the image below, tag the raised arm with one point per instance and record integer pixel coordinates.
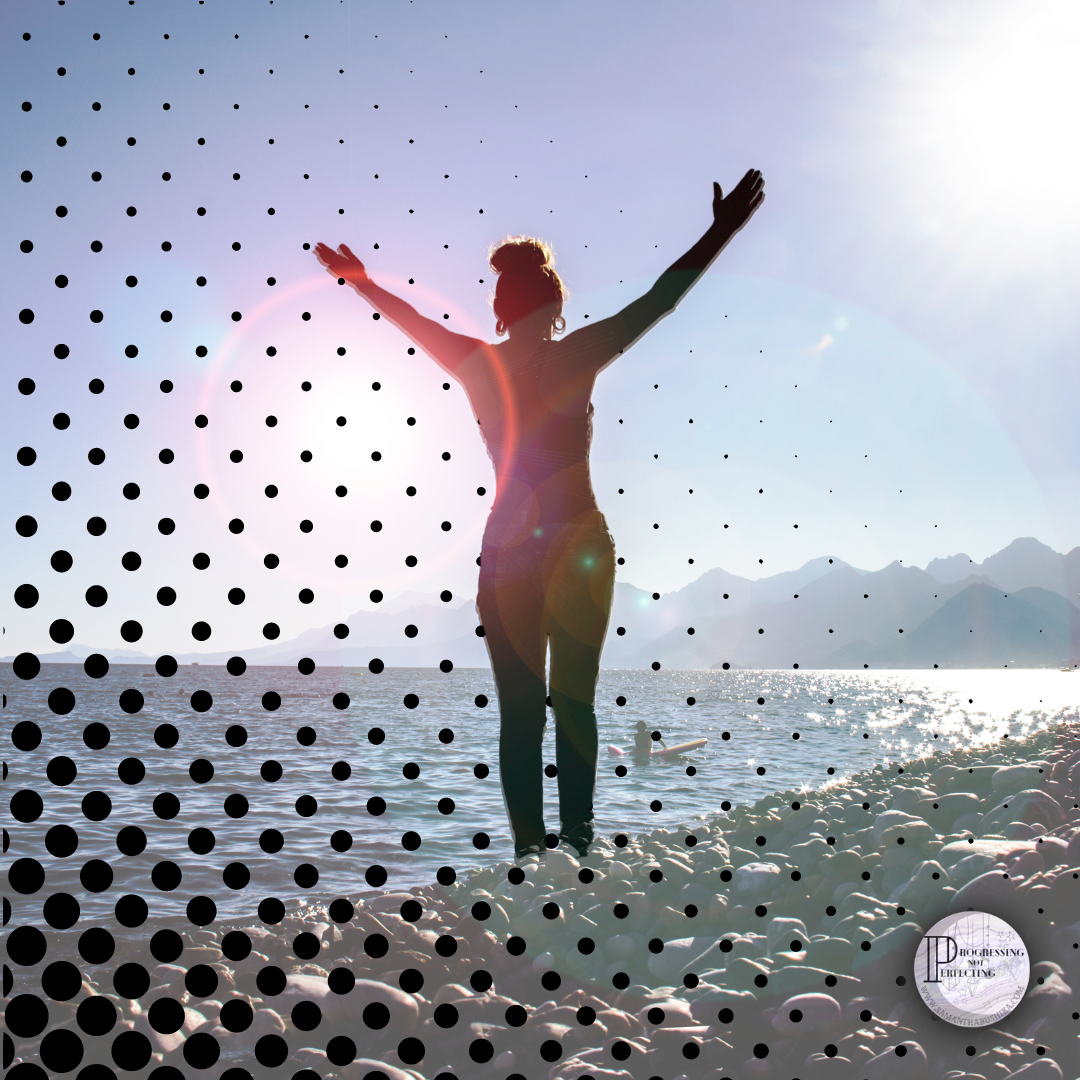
(729, 216)
(610, 337)
(446, 348)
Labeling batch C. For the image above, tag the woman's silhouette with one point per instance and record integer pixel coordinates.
(547, 566)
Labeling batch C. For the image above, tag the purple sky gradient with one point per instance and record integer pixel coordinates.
(888, 349)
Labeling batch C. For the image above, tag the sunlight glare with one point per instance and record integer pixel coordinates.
(995, 127)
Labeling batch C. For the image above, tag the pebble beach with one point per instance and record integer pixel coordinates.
(774, 941)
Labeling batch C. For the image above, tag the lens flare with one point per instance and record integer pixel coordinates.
(238, 344)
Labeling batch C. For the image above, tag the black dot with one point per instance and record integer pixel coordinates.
(96, 666)
(26, 666)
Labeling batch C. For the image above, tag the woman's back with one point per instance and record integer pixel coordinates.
(533, 404)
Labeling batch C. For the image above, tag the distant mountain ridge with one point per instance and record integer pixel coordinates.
(1016, 608)
(806, 627)
(1025, 562)
(981, 627)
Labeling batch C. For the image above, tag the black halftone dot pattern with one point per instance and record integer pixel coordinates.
(189, 888)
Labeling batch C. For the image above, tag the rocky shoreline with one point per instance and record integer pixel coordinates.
(771, 942)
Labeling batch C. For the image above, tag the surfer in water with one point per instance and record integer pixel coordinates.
(547, 561)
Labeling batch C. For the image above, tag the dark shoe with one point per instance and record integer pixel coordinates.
(578, 843)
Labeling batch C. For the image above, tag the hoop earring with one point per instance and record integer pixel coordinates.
(500, 328)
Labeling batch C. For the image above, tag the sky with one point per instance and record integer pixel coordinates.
(880, 366)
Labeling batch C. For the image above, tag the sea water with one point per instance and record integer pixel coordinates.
(750, 719)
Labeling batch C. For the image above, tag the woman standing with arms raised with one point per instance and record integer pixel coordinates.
(547, 565)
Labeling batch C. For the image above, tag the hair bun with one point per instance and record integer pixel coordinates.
(521, 254)
(527, 281)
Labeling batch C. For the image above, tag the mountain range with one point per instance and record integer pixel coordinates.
(1017, 608)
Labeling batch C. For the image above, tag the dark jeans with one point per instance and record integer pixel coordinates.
(559, 584)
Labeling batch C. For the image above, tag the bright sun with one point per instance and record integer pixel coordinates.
(991, 121)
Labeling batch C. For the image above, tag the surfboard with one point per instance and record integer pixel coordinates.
(682, 748)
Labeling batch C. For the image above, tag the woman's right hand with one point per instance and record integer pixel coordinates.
(342, 264)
